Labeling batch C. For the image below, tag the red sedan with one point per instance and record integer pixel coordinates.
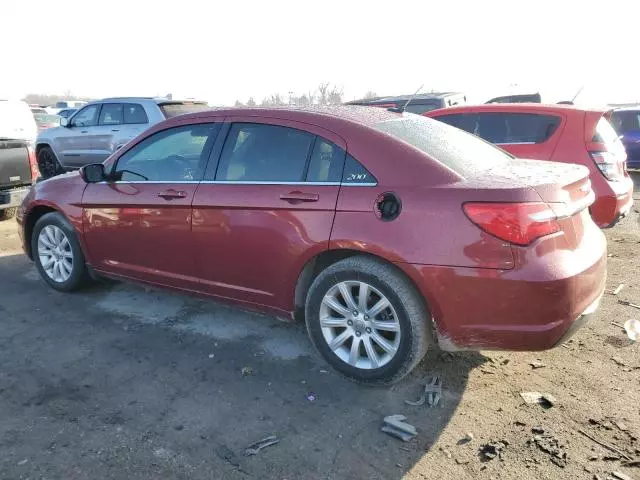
(385, 231)
(559, 133)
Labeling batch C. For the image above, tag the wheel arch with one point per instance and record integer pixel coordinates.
(325, 259)
(30, 222)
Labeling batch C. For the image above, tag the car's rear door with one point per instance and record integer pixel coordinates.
(265, 207)
(139, 225)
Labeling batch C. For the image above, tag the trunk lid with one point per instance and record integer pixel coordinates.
(15, 166)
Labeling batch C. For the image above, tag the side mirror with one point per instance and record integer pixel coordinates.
(64, 122)
(93, 173)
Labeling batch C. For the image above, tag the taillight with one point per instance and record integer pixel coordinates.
(33, 164)
(612, 165)
(518, 223)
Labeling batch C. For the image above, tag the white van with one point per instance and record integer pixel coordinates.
(16, 121)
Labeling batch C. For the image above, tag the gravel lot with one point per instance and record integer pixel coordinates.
(125, 382)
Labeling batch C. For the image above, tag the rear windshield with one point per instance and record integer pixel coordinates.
(460, 151)
(171, 110)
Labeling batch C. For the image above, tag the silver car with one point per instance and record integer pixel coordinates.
(101, 127)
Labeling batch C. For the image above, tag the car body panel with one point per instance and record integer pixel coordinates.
(243, 243)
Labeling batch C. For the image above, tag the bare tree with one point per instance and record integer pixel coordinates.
(251, 102)
(238, 104)
(335, 96)
(322, 93)
(370, 94)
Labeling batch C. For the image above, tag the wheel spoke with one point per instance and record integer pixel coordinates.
(329, 322)
(354, 354)
(379, 307)
(371, 352)
(345, 291)
(58, 235)
(66, 268)
(46, 262)
(64, 243)
(56, 271)
(363, 296)
(44, 251)
(339, 340)
(335, 305)
(383, 342)
(45, 241)
(68, 255)
(48, 230)
(385, 326)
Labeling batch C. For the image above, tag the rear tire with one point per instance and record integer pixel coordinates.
(57, 253)
(48, 163)
(389, 342)
(8, 213)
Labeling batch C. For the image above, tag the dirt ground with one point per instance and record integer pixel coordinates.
(123, 382)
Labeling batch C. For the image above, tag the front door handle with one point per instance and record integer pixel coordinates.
(115, 130)
(297, 197)
(170, 194)
(84, 131)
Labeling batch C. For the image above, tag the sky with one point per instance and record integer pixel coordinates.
(222, 51)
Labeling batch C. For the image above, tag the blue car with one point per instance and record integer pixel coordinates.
(626, 121)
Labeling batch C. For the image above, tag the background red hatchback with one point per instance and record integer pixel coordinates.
(559, 133)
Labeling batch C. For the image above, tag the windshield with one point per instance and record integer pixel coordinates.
(462, 152)
(171, 110)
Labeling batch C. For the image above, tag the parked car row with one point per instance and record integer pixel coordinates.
(386, 231)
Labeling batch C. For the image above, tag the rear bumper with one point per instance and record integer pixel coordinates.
(12, 198)
(613, 202)
(530, 308)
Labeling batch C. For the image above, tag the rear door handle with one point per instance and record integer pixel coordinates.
(84, 131)
(115, 130)
(297, 197)
(170, 194)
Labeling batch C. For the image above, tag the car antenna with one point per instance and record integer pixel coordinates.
(570, 102)
(403, 107)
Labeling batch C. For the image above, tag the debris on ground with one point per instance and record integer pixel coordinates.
(550, 445)
(618, 289)
(491, 450)
(211, 355)
(618, 361)
(431, 394)
(395, 426)
(255, 448)
(632, 327)
(537, 364)
(605, 445)
(246, 371)
(544, 399)
(311, 397)
(629, 304)
(539, 430)
(621, 476)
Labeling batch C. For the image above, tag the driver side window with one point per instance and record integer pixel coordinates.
(87, 117)
(177, 154)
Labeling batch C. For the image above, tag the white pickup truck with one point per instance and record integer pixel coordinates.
(18, 166)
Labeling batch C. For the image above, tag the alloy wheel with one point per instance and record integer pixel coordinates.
(360, 325)
(55, 253)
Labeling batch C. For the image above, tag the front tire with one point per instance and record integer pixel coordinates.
(367, 320)
(48, 163)
(57, 253)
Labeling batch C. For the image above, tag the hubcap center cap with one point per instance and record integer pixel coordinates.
(359, 325)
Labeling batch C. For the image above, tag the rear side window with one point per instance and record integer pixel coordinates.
(326, 162)
(355, 174)
(461, 152)
(134, 114)
(173, 109)
(111, 114)
(605, 133)
(625, 121)
(256, 152)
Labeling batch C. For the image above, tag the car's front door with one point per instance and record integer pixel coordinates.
(266, 206)
(138, 225)
(73, 143)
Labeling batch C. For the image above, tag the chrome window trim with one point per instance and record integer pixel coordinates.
(517, 143)
(227, 182)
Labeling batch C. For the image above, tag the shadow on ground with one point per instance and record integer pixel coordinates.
(122, 382)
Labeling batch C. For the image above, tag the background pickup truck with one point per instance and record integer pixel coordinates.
(18, 170)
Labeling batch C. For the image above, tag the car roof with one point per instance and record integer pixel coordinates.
(414, 98)
(515, 107)
(351, 113)
(634, 108)
(150, 99)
